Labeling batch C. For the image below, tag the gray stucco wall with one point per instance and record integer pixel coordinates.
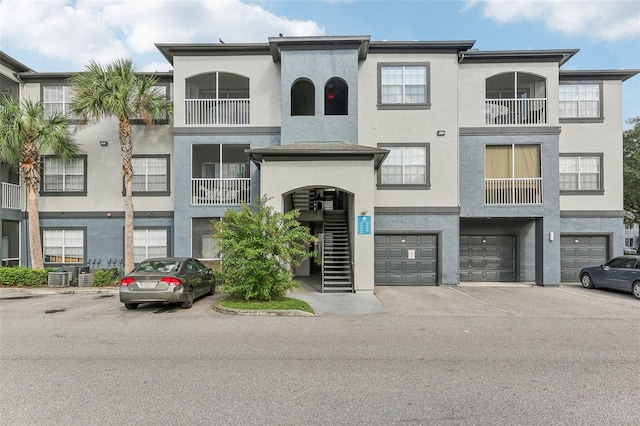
(104, 237)
(446, 225)
(472, 175)
(183, 210)
(319, 66)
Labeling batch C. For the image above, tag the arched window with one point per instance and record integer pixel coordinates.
(516, 98)
(516, 85)
(336, 97)
(217, 98)
(303, 98)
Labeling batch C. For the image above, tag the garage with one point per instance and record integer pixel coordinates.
(488, 258)
(407, 259)
(581, 251)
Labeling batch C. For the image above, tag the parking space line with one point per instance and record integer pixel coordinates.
(478, 299)
(48, 301)
(587, 296)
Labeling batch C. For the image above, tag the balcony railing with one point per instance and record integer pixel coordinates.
(214, 191)
(210, 112)
(516, 111)
(11, 196)
(513, 191)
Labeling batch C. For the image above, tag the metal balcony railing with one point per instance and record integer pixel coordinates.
(11, 196)
(513, 191)
(211, 112)
(220, 191)
(516, 111)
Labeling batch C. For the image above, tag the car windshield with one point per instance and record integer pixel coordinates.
(158, 266)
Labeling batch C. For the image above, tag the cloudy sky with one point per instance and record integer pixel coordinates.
(62, 35)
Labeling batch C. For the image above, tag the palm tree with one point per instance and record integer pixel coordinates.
(118, 90)
(25, 133)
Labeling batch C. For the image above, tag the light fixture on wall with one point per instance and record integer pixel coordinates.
(551, 236)
(104, 143)
(440, 132)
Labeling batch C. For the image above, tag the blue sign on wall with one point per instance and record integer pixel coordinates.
(364, 225)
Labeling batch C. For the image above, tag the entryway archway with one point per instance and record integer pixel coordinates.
(326, 212)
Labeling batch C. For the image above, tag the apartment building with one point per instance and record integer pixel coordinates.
(415, 163)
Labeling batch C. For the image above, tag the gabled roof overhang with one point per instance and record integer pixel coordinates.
(13, 64)
(279, 44)
(418, 47)
(621, 75)
(318, 151)
(212, 49)
(506, 56)
(61, 76)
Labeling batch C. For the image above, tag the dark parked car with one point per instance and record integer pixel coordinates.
(620, 273)
(166, 280)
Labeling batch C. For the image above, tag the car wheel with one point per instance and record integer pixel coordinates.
(636, 289)
(586, 281)
(131, 305)
(212, 290)
(189, 302)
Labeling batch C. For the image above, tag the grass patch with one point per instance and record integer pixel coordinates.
(281, 304)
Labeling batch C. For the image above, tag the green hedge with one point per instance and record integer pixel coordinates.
(106, 277)
(20, 276)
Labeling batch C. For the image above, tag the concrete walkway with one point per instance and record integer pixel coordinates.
(335, 303)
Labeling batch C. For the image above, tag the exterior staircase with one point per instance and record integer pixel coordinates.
(303, 200)
(336, 253)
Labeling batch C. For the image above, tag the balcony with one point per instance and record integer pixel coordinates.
(216, 112)
(513, 191)
(516, 112)
(11, 196)
(220, 191)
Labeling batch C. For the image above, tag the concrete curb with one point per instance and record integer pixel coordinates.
(58, 290)
(261, 312)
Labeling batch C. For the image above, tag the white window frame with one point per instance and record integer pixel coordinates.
(63, 105)
(405, 103)
(65, 169)
(405, 163)
(138, 173)
(579, 101)
(63, 239)
(149, 239)
(581, 158)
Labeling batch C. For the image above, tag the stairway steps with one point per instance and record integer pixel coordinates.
(337, 275)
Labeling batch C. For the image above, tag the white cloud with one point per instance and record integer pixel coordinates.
(596, 19)
(79, 30)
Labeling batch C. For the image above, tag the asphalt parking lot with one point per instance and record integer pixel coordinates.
(511, 300)
(461, 355)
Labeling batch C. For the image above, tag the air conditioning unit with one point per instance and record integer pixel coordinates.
(58, 279)
(85, 280)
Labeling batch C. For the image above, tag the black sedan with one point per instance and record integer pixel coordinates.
(166, 280)
(620, 273)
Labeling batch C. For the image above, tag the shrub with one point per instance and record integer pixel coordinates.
(259, 248)
(20, 276)
(105, 277)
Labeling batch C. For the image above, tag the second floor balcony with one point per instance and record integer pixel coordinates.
(516, 99)
(216, 99)
(511, 191)
(516, 112)
(220, 191)
(10, 196)
(207, 112)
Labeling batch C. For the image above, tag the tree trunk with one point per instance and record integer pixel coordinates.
(126, 146)
(35, 242)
